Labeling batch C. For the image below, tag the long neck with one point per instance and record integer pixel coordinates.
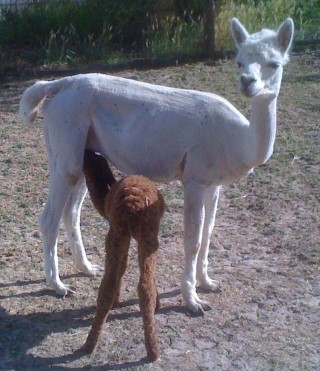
(262, 129)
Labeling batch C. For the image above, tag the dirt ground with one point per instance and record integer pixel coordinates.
(265, 250)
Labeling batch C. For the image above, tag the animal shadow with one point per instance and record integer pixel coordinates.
(21, 332)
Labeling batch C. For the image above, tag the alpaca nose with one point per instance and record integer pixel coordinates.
(246, 80)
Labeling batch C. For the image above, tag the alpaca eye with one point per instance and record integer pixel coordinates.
(274, 65)
(240, 65)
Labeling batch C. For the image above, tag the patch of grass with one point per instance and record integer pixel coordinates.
(172, 37)
(253, 14)
(65, 45)
(70, 32)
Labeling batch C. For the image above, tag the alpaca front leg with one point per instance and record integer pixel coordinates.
(211, 202)
(193, 230)
(71, 218)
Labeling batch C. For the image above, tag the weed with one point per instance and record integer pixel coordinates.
(172, 36)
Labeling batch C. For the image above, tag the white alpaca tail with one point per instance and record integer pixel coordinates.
(32, 98)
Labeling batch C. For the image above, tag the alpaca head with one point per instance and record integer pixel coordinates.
(261, 57)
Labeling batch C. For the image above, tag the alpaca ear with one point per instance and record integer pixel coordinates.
(285, 35)
(239, 33)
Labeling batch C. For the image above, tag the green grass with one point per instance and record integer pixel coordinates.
(173, 37)
(72, 33)
(254, 15)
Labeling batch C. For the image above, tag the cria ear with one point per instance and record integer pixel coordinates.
(239, 33)
(285, 35)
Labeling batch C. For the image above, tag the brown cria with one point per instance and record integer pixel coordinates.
(133, 208)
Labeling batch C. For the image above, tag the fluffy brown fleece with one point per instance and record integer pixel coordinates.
(133, 207)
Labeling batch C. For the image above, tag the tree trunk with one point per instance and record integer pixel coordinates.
(209, 18)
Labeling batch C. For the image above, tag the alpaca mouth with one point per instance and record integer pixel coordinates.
(252, 90)
(263, 93)
(250, 93)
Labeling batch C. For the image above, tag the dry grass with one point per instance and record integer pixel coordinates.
(265, 251)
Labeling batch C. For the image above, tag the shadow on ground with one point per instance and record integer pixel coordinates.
(20, 333)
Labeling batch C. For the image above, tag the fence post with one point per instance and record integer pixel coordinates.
(209, 35)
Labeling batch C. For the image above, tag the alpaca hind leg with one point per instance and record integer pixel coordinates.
(71, 218)
(211, 202)
(65, 138)
(49, 223)
(148, 296)
(117, 246)
(193, 230)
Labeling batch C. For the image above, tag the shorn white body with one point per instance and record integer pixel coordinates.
(162, 133)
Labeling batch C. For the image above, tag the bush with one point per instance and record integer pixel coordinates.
(58, 28)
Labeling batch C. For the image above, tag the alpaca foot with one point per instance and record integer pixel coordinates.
(193, 302)
(197, 306)
(90, 269)
(209, 285)
(60, 288)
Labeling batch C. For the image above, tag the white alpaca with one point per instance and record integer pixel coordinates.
(162, 133)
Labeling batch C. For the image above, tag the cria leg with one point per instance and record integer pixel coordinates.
(122, 270)
(148, 296)
(117, 246)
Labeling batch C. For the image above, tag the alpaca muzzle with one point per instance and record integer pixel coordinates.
(249, 85)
